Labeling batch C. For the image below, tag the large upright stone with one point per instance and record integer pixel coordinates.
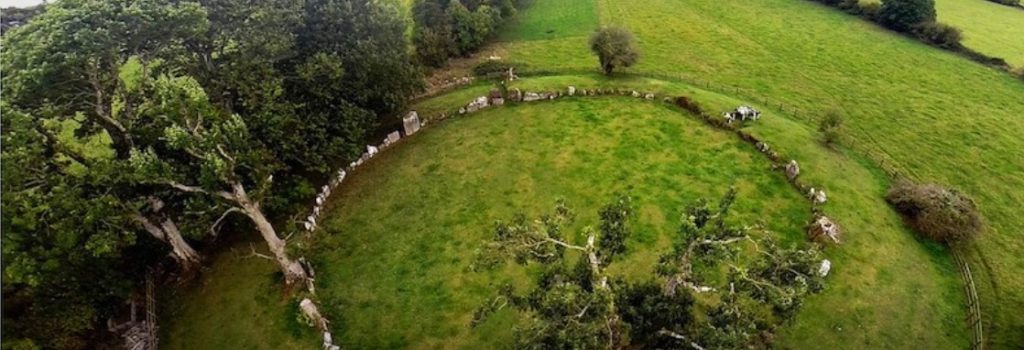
(411, 123)
(792, 170)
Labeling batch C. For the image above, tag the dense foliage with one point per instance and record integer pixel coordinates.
(135, 128)
(940, 213)
(903, 15)
(614, 47)
(576, 304)
(446, 28)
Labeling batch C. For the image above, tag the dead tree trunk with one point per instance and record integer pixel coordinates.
(167, 232)
(293, 271)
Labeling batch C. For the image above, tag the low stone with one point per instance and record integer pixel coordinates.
(531, 96)
(462, 110)
(497, 101)
(515, 95)
(649, 96)
(311, 312)
(635, 93)
(572, 91)
(825, 267)
(394, 137)
(372, 150)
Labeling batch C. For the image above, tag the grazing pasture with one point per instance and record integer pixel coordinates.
(394, 251)
(929, 113)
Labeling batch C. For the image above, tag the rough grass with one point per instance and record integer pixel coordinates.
(929, 113)
(990, 28)
(236, 304)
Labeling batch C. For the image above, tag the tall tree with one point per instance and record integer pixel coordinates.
(212, 153)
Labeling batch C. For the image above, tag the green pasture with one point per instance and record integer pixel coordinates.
(928, 113)
(393, 254)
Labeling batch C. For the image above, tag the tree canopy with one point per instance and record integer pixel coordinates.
(136, 129)
(615, 48)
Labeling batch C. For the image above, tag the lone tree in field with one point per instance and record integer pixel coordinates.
(903, 15)
(578, 304)
(614, 47)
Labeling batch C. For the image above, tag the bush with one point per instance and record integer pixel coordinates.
(939, 213)
(939, 34)
(614, 48)
(903, 15)
(495, 68)
(831, 127)
(690, 105)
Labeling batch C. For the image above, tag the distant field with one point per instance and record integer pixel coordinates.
(990, 28)
(994, 29)
(552, 19)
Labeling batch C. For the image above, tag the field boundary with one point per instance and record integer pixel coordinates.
(973, 306)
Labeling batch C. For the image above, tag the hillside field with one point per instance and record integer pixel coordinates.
(393, 254)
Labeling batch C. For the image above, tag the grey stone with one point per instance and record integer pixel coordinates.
(411, 123)
(532, 96)
(792, 170)
(394, 137)
(572, 91)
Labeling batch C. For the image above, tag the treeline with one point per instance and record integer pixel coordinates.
(13, 17)
(135, 130)
(916, 18)
(452, 28)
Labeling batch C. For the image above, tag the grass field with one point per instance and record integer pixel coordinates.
(399, 233)
(993, 29)
(932, 114)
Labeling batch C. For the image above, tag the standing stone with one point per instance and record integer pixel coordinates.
(411, 123)
(792, 170)
(572, 91)
(394, 137)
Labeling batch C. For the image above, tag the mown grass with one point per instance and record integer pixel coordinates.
(931, 114)
(399, 237)
(552, 19)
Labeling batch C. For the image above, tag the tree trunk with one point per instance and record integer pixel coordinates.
(187, 257)
(167, 232)
(293, 271)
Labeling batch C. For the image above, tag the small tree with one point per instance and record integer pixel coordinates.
(831, 127)
(614, 47)
(903, 15)
(939, 213)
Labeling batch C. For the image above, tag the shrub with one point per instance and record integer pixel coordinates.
(903, 15)
(831, 127)
(471, 28)
(939, 213)
(690, 105)
(939, 34)
(614, 48)
(495, 68)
